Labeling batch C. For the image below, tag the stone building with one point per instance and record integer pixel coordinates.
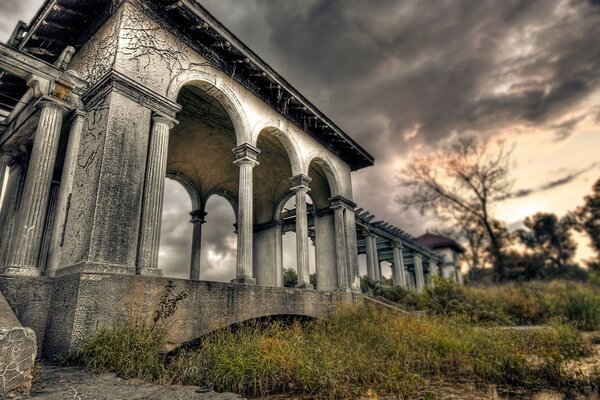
(450, 252)
(100, 102)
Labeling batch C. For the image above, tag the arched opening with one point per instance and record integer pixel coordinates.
(219, 241)
(176, 232)
(290, 255)
(272, 179)
(200, 159)
(323, 186)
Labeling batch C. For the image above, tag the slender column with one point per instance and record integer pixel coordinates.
(377, 265)
(154, 192)
(197, 220)
(433, 268)
(64, 193)
(10, 208)
(341, 253)
(419, 277)
(48, 226)
(300, 187)
(23, 258)
(3, 168)
(370, 258)
(246, 159)
(399, 277)
(279, 253)
(351, 245)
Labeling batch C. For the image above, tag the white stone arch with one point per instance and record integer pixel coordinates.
(215, 87)
(193, 192)
(227, 195)
(333, 178)
(286, 139)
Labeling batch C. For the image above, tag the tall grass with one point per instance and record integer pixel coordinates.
(366, 348)
(532, 303)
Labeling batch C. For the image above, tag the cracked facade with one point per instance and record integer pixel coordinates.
(149, 89)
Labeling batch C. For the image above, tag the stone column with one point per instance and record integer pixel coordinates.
(399, 277)
(64, 192)
(300, 185)
(371, 263)
(24, 255)
(10, 207)
(377, 265)
(3, 168)
(154, 192)
(341, 259)
(246, 158)
(433, 268)
(419, 277)
(197, 220)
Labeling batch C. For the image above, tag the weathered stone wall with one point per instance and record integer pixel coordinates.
(78, 304)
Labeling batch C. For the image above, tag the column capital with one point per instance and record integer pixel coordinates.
(50, 102)
(300, 182)
(397, 245)
(162, 119)
(198, 217)
(342, 202)
(246, 154)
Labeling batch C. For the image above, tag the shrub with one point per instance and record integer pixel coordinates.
(582, 310)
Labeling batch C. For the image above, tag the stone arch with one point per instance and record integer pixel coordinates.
(189, 187)
(327, 166)
(287, 140)
(215, 87)
(227, 195)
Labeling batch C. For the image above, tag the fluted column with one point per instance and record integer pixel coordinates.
(197, 220)
(399, 277)
(419, 277)
(246, 158)
(300, 185)
(24, 255)
(64, 192)
(154, 191)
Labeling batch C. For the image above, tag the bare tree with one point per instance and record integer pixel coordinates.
(459, 183)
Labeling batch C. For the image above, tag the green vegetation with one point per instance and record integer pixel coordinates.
(366, 349)
(528, 303)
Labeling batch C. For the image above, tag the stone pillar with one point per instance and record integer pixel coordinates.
(246, 158)
(351, 245)
(419, 277)
(325, 249)
(3, 168)
(48, 226)
(341, 254)
(399, 277)
(154, 192)
(433, 268)
(197, 220)
(300, 185)
(370, 258)
(64, 193)
(24, 255)
(10, 208)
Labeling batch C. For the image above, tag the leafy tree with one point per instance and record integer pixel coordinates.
(550, 239)
(313, 280)
(459, 184)
(290, 277)
(588, 217)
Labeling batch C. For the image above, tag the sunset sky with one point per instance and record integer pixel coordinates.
(404, 77)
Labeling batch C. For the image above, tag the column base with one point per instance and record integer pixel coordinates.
(244, 281)
(304, 286)
(21, 271)
(153, 272)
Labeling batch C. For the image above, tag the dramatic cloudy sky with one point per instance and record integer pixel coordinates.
(403, 77)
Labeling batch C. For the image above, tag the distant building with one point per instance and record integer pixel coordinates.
(449, 250)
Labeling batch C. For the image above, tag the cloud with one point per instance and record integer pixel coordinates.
(553, 184)
(13, 11)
